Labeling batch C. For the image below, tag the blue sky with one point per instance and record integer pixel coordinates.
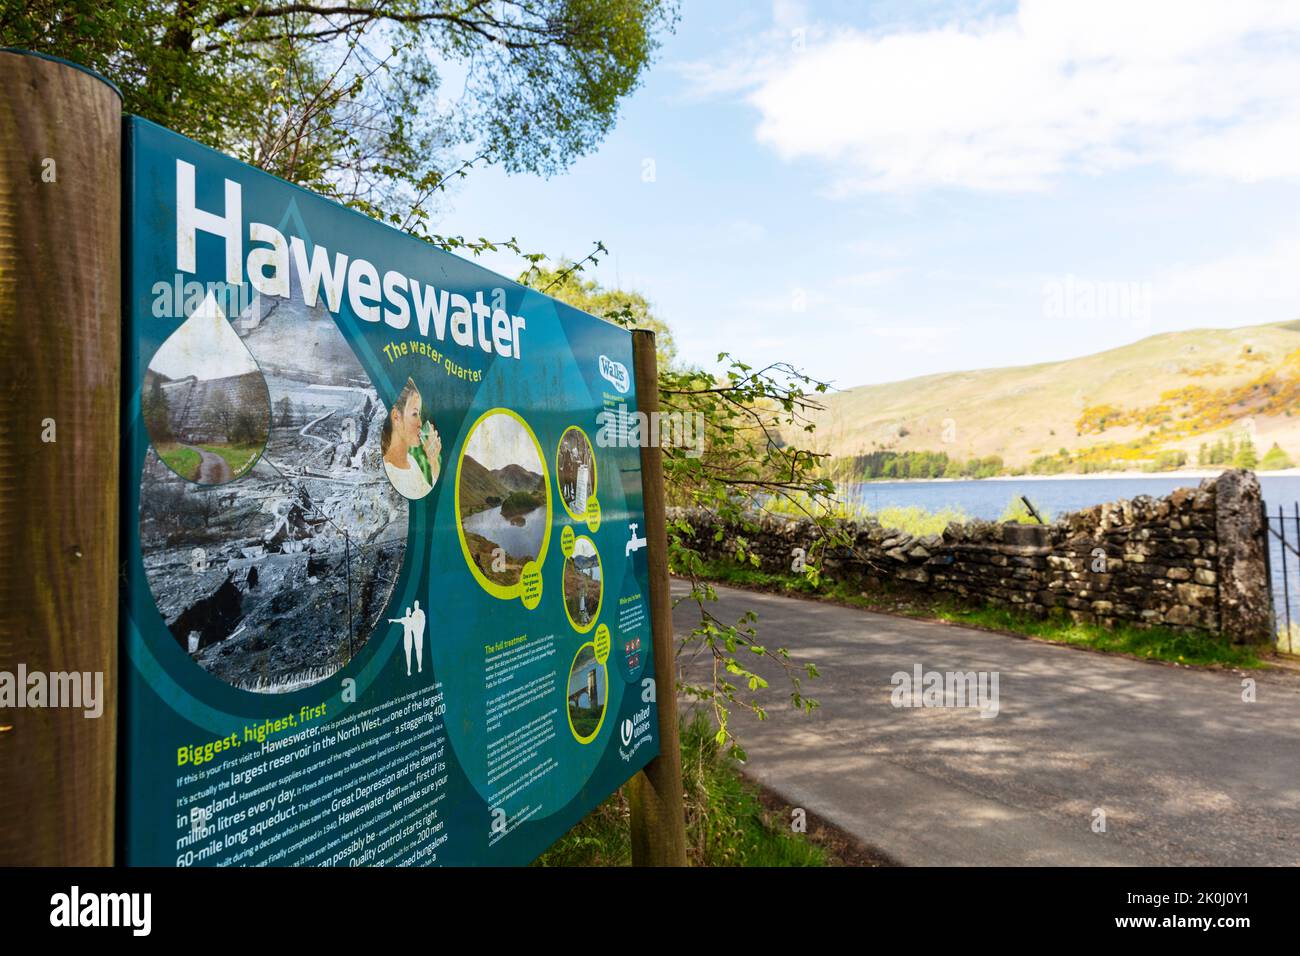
(875, 191)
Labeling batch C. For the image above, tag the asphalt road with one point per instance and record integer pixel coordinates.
(1184, 770)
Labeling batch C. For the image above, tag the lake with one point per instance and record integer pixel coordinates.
(520, 540)
(988, 499)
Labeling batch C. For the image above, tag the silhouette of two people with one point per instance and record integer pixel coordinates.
(412, 635)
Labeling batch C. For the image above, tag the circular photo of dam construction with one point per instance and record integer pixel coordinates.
(588, 684)
(503, 501)
(274, 582)
(584, 586)
(204, 401)
(575, 471)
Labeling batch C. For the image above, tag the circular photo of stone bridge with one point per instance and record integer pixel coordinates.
(588, 686)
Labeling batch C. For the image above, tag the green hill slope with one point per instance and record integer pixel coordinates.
(479, 488)
(1125, 409)
(518, 478)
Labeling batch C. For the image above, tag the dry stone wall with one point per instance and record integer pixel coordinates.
(1193, 560)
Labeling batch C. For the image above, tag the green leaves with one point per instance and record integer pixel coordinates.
(563, 280)
(343, 97)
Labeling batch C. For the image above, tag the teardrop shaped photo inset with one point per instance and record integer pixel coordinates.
(204, 400)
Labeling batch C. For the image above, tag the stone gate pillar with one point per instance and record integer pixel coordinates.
(1245, 605)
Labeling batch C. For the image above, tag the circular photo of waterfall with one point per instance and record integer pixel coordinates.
(503, 501)
(575, 471)
(587, 687)
(584, 585)
(204, 401)
(276, 581)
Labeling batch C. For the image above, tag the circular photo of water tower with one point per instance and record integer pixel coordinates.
(575, 471)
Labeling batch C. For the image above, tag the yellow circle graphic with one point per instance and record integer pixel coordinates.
(530, 584)
(566, 541)
(485, 550)
(602, 643)
(593, 515)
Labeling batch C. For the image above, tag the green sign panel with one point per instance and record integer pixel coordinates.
(386, 589)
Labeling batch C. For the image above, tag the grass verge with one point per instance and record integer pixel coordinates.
(183, 461)
(727, 820)
(1156, 643)
(910, 518)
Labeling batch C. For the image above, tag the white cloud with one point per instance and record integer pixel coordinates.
(1239, 287)
(880, 248)
(789, 14)
(871, 279)
(743, 231)
(1244, 287)
(499, 440)
(910, 336)
(1013, 102)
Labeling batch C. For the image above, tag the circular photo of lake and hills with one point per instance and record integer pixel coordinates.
(503, 500)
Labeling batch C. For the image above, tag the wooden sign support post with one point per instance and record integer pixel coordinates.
(60, 359)
(655, 794)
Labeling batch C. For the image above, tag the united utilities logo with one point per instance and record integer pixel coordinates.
(616, 373)
(626, 731)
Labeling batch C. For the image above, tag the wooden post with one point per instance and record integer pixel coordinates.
(60, 358)
(655, 794)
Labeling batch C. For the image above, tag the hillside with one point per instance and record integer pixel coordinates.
(1144, 405)
(518, 478)
(514, 487)
(479, 488)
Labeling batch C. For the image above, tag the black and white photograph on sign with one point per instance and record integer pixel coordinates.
(276, 579)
